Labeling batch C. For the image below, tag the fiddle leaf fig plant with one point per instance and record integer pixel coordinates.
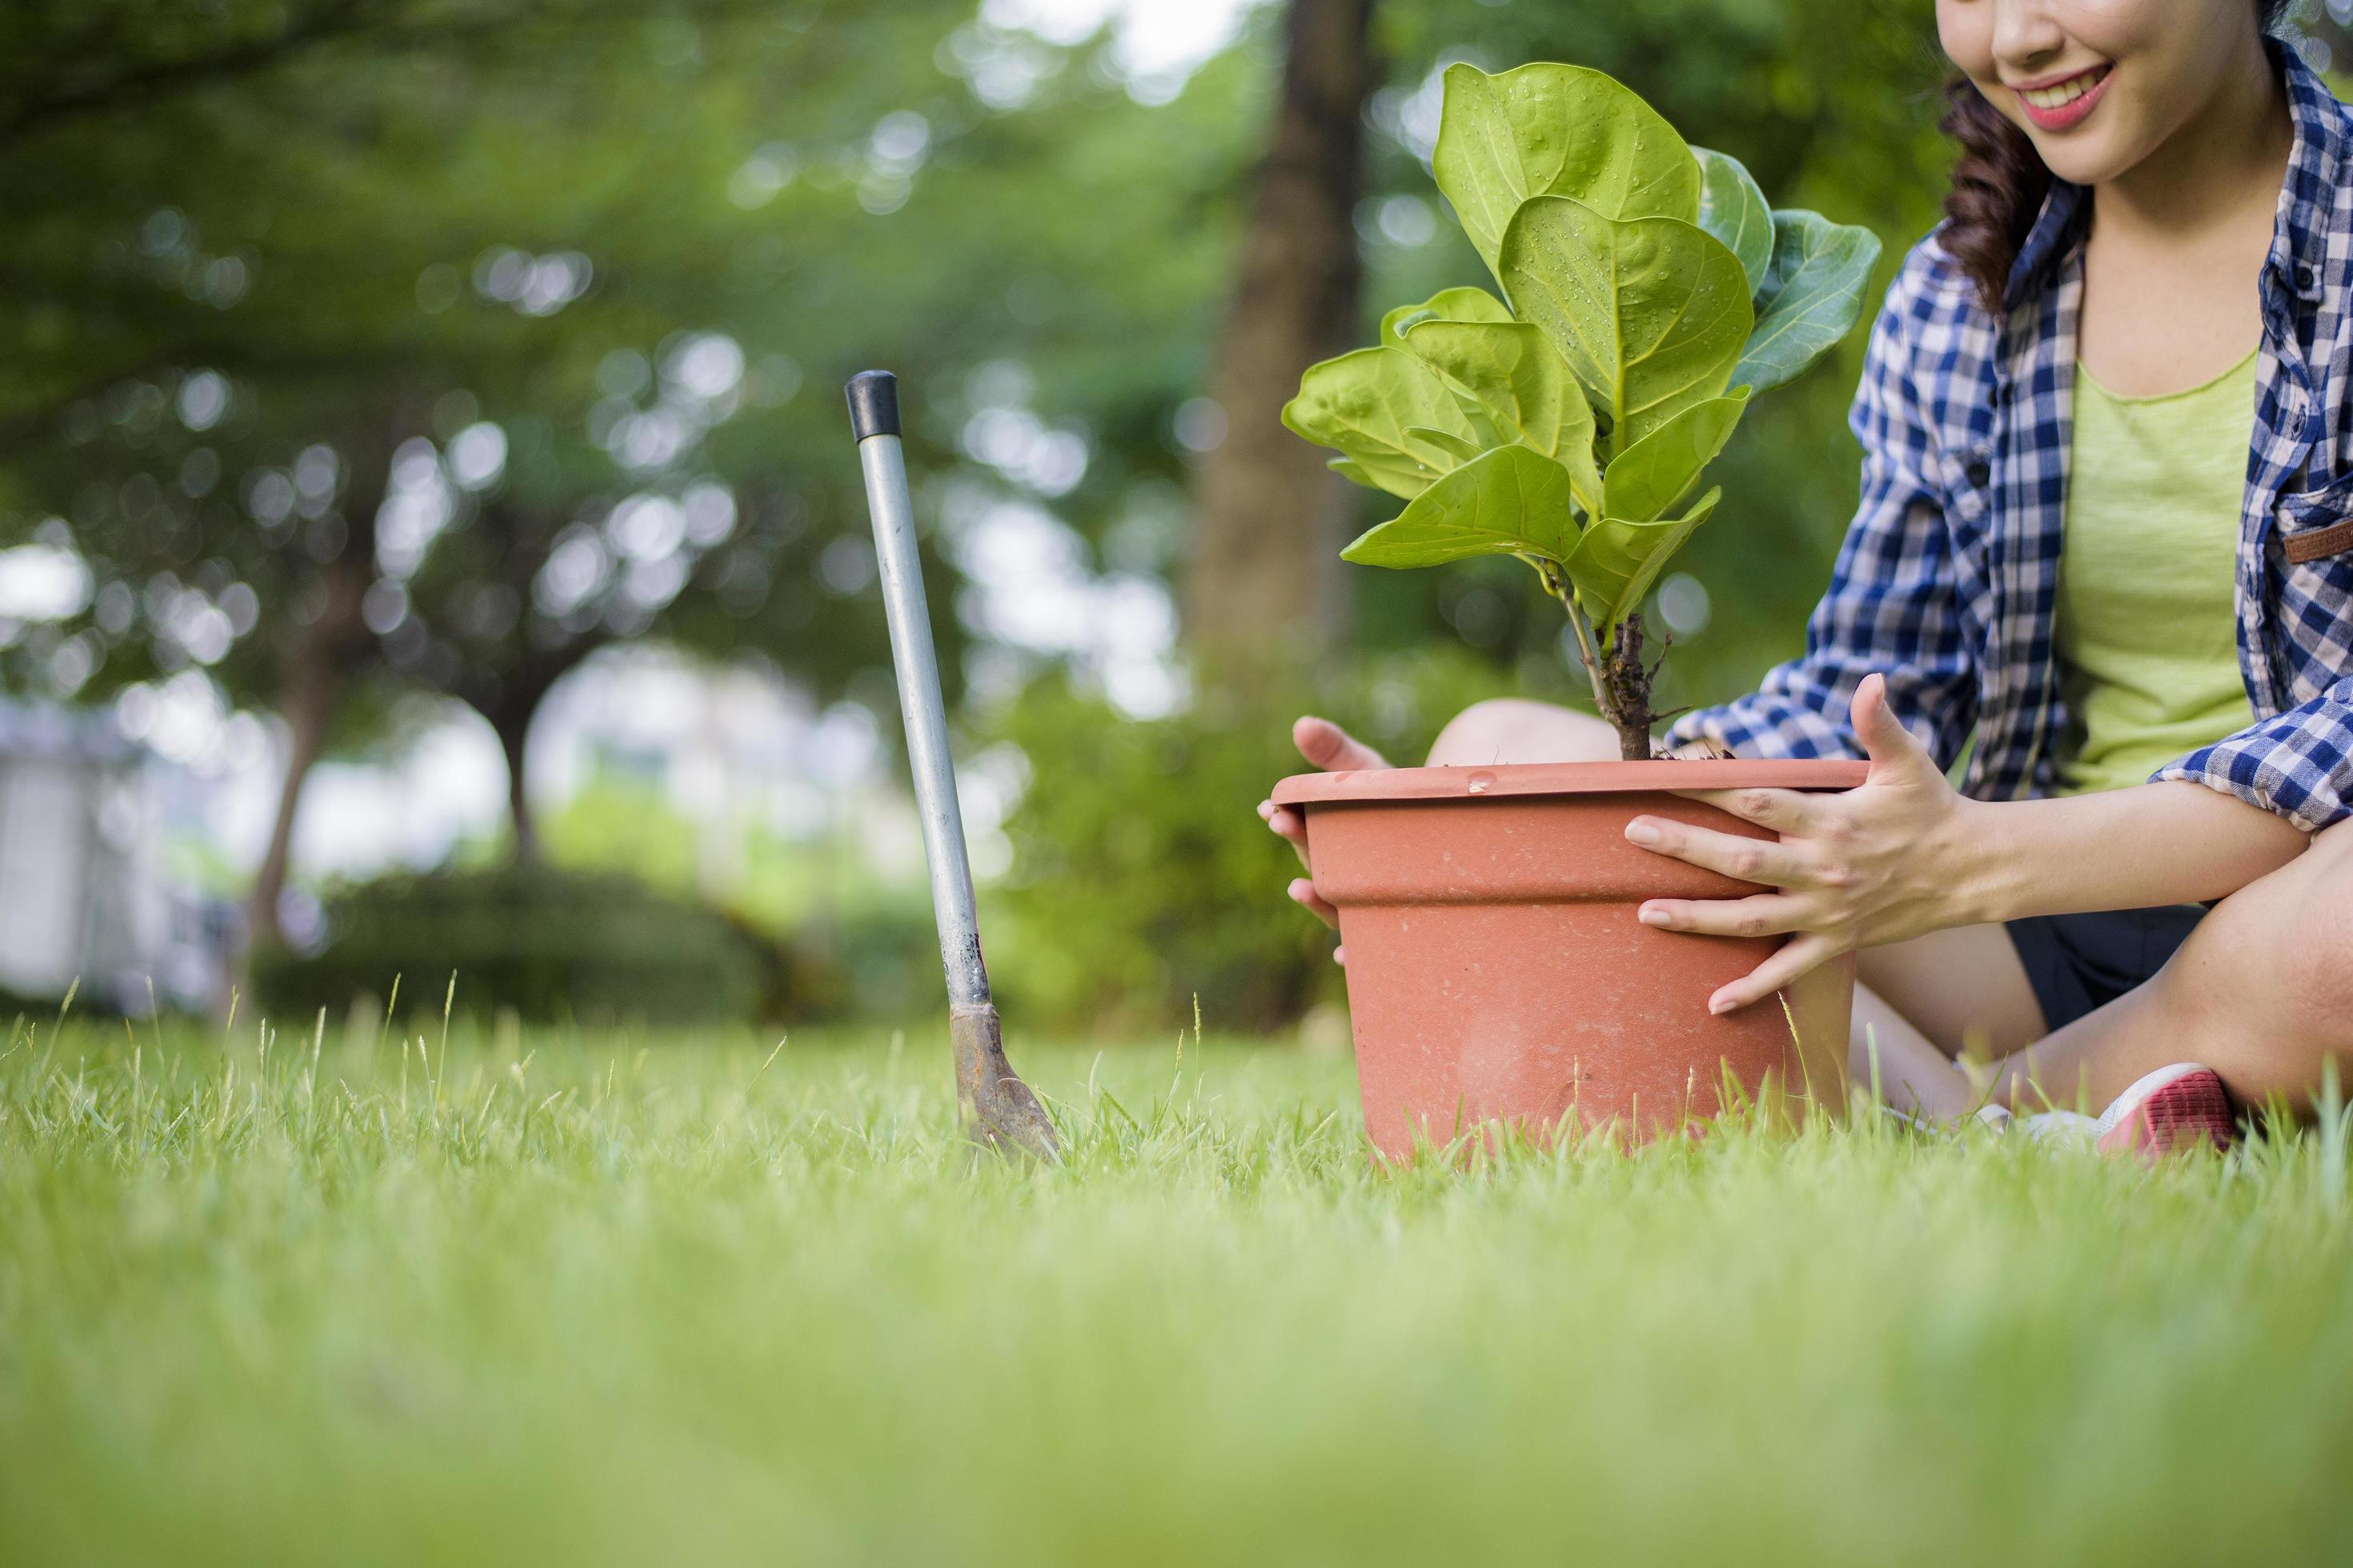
(1649, 294)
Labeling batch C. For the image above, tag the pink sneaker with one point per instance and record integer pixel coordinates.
(2172, 1108)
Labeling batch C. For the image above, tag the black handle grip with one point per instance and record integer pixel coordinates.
(874, 404)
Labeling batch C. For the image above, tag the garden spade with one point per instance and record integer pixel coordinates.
(999, 1108)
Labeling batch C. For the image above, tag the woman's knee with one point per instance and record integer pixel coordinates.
(1514, 730)
(2272, 967)
(2311, 966)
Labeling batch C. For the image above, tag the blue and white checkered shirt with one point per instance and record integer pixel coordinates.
(1949, 572)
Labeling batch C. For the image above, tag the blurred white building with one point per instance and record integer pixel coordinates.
(85, 894)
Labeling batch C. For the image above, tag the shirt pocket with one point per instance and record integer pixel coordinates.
(2312, 637)
(2316, 527)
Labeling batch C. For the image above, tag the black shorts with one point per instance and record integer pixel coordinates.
(2077, 963)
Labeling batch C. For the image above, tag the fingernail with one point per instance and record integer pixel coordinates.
(1718, 1005)
(1651, 917)
(1641, 832)
(1266, 811)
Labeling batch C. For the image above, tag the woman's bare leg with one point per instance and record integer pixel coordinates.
(1964, 989)
(1910, 1073)
(1919, 1004)
(1514, 729)
(2262, 992)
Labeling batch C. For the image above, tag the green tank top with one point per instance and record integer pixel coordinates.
(2147, 616)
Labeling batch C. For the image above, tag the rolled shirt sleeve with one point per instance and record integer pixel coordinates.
(2297, 764)
(1892, 606)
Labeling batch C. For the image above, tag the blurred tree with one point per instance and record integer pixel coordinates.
(277, 318)
(458, 384)
(90, 57)
(1270, 514)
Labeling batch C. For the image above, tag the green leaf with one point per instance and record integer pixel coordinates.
(1731, 208)
(1554, 131)
(1513, 502)
(1366, 403)
(1616, 561)
(1811, 295)
(1521, 386)
(1354, 472)
(1465, 304)
(1660, 469)
(1650, 312)
(1454, 446)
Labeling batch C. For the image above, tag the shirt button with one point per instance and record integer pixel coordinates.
(2303, 275)
(1978, 470)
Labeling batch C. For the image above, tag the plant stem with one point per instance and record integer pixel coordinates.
(1621, 687)
(1628, 681)
(1584, 651)
(1556, 585)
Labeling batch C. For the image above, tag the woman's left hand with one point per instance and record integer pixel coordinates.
(1875, 864)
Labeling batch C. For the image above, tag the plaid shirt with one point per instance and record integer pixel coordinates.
(1948, 576)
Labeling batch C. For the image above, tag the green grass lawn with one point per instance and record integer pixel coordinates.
(630, 1300)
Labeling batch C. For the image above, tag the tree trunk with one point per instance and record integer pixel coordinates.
(318, 662)
(514, 731)
(309, 687)
(1271, 516)
(508, 704)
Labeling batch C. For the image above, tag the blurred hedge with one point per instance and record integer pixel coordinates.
(873, 963)
(550, 944)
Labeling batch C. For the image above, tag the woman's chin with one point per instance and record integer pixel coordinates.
(2089, 155)
(2082, 164)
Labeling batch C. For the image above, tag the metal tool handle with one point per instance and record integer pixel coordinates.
(998, 1108)
(874, 417)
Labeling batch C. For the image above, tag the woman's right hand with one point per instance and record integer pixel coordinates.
(1330, 749)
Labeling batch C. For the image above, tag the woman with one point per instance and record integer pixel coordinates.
(2107, 531)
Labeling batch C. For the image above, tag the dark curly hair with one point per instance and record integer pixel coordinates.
(1999, 180)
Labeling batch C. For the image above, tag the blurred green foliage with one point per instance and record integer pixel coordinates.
(852, 941)
(336, 277)
(551, 945)
(325, 226)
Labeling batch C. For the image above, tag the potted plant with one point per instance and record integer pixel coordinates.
(1496, 968)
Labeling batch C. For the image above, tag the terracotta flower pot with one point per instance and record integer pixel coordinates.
(1496, 971)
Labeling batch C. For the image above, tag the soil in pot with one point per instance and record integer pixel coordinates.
(1496, 973)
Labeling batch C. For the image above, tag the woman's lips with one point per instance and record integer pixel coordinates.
(2087, 88)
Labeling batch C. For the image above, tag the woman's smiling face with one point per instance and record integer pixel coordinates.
(2097, 84)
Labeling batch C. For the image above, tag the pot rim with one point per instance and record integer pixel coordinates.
(1369, 785)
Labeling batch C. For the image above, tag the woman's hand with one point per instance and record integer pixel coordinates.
(1330, 749)
(1879, 863)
